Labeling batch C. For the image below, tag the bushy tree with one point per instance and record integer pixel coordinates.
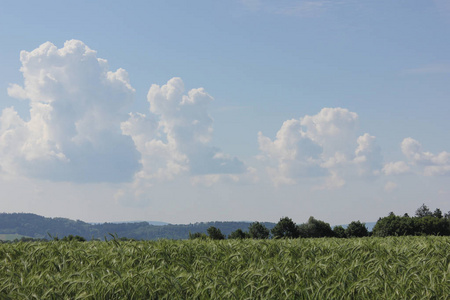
(197, 235)
(437, 213)
(339, 231)
(423, 211)
(356, 229)
(73, 238)
(258, 231)
(393, 225)
(424, 223)
(285, 228)
(431, 225)
(215, 233)
(315, 229)
(239, 234)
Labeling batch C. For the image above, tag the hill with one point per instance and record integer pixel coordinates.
(35, 226)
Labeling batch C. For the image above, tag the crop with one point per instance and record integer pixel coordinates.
(365, 268)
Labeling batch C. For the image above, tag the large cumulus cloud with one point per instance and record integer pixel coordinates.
(175, 137)
(80, 129)
(76, 105)
(174, 140)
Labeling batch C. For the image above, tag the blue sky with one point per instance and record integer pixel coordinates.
(187, 111)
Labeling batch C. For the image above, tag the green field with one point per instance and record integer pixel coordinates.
(365, 268)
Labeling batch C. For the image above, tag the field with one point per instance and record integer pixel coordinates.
(365, 268)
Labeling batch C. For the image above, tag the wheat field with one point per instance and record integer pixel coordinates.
(328, 268)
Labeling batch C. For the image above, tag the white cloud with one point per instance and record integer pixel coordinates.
(431, 164)
(175, 141)
(76, 107)
(187, 126)
(368, 155)
(390, 186)
(320, 145)
(396, 168)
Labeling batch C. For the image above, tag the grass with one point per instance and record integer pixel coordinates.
(366, 268)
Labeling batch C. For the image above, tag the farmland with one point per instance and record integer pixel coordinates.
(364, 268)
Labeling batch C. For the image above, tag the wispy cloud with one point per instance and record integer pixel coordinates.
(304, 8)
(438, 68)
(300, 8)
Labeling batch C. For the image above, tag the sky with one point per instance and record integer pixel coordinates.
(239, 110)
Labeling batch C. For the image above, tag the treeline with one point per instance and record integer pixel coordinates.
(424, 222)
(34, 227)
(286, 228)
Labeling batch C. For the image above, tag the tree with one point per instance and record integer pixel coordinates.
(356, 229)
(197, 235)
(447, 215)
(238, 234)
(339, 231)
(315, 229)
(437, 213)
(215, 233)
(73, 238)
(423, 211)
(258, 231)
(285, 228)
(393, 225)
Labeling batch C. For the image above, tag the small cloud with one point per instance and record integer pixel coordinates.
(390, 186)
(433, 164)
(442, 68)
(304, 8)
(396, 168)
(298, 8)
(334, 181)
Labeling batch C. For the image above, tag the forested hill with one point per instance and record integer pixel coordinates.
(36, 226)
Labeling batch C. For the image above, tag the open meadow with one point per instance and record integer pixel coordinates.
(326, 268)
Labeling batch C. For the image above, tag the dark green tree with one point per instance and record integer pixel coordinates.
(73, 238)
(215, 233)
(437, 213)
(356, 229)
(238, 234)
(258, 231)
(339, 231)
(393, 225)
(423, 211)
(197, 235)
(285, 228)
(431, 226)
(315, 229)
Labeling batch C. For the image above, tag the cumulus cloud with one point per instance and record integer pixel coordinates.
(181, 136)
(80, 129)
(368, 155)
(76, 105)
(175, 140)
(320, 145)
(396, 168)
(430, 164)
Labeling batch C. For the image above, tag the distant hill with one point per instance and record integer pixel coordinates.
(35, 226)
